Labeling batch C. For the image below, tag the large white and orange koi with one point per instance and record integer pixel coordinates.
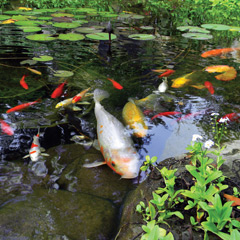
(35, 151)
(114, 141)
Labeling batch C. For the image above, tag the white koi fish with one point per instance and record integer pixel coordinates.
(115, 143)
(35, 150)
(163, 86)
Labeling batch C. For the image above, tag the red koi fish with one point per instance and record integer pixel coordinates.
(7, 129)
(189, 115)
(58, 91)
(79, 96)
(22, 106)
(231, 116)
(209, 86)
(167, 73)
(116, 84)
(236, 201)
(165, 114)
(23, 83)
(216, 52)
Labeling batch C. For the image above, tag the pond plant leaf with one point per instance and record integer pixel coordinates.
(86, 10)
(41, 37)
(62, 15)
(29, 62)
(63, 73)
(20, 17)
(66, 25)
(88, 30)
(147, 27)
(4, 17)
(137, 16)
(108, 14)
(193, 29)
(101, 36)
(216, 26)
(43, 58)
(44, 18)
(142, 36)
(71, 36)
(229, 73)
(197, 36)
(29, 23)
(30, 29)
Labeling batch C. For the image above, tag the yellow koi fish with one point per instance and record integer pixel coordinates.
(64, 103)
(134, 118)
(114, 141)
(181, 81)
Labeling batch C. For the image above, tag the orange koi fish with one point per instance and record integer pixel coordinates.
(7, 129)
(216, 52)
(58, 91)
(115, 144)
(165, 114)
(35, 149)
(229, 73)
(79, 96)
(167, 73)
(134, 118)
(22, 106)
(115, 84)
(209, 86)
(233, 117)
(236, 201)
(23, 83)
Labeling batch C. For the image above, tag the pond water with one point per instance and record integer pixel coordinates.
(129, 62)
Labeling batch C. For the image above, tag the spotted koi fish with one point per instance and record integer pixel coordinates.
(35, 150)
(114, 141)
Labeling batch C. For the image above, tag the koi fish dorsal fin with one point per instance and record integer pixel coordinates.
(100, 94)
(94, 164)
(131, 100)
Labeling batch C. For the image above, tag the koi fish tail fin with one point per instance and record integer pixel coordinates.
(99, 95)
(131, 100)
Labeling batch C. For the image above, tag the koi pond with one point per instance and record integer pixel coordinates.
(50, 56)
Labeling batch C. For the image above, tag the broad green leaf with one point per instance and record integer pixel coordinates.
(101, 36)
(30, 29)
(216, 26)
(63, 73)
(66, 25)
(43, 58)
(71, 36)
(197, 36)
(41, 37)
(142, 36)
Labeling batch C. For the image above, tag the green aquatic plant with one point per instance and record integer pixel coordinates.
(154, 232)
(149, 163)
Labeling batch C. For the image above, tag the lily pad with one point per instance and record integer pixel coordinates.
(198, 36)
(147, 27)
(71, 36)
(4, 17)
(124, 15)
(136, 16)
(30, 29)
(45, 18)
(142, 36)
(193, 29)
(101, 36)
(43, 58)
(29, 61)
(20, 17)
(41, 37)
(87, 10)
(62, 15)
(29, 23)
(80, 16)
(63, 73)
(87, 30)
(66, 25)
(216, 26)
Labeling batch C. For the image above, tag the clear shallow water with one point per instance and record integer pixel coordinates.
(129, 62)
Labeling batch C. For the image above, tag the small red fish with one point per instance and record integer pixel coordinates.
(115, 84)
(209, 86)
(23, 83)
(216, 52)
(167, 73)
(22, 106)
(165, 114)
(58, 91)
(231, 116)
(7, 129)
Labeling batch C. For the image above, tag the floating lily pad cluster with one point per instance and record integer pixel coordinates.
(202, 33)
(68, 19)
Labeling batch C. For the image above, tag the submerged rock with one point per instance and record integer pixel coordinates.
(57, 215)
